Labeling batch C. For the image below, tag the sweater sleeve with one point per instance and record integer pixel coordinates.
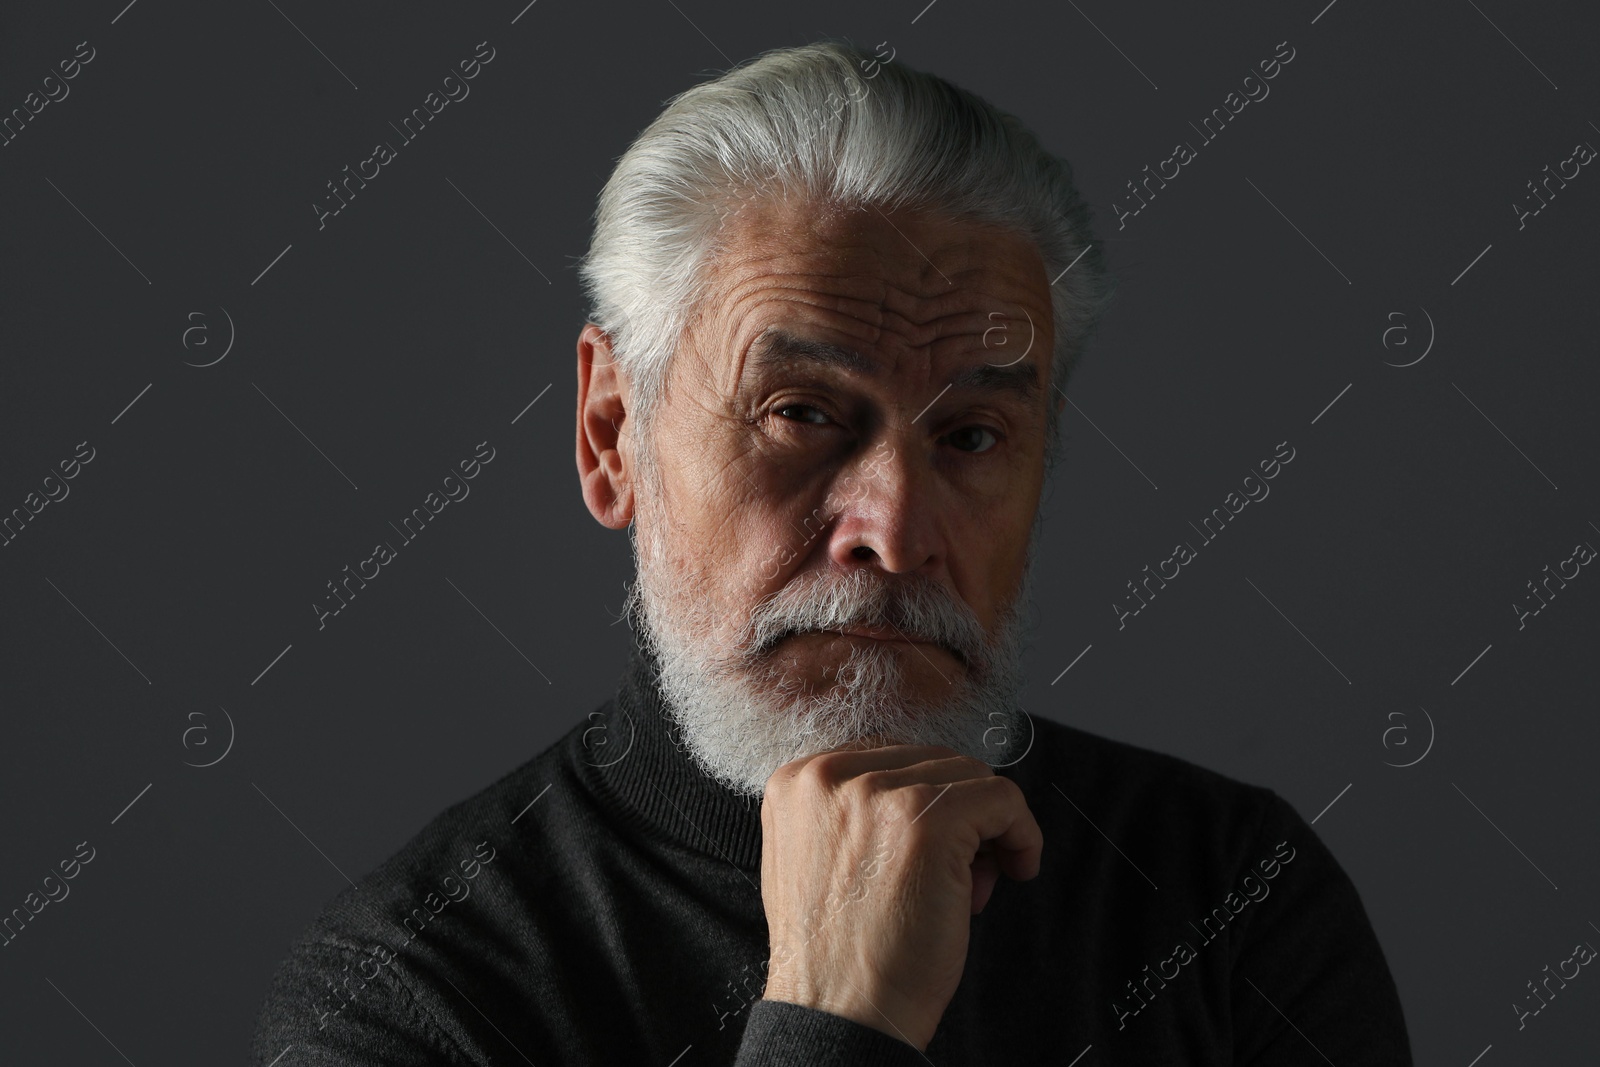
(1310, 983)
(781, 1034)
(332, 1006)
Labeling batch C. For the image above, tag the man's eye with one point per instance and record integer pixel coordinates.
(971, 438)
(819, 416)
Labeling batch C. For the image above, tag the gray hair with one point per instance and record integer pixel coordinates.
(793, 120)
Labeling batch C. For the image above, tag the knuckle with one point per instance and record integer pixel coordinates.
(976, 768)
(912, 802)
(1010, 792)
(1007, 786)
(870, 782)
(826, 769)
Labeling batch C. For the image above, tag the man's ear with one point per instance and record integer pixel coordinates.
(605, 468)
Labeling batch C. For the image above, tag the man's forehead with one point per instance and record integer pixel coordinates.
(870, 284)
(939, 248)
(780, 348)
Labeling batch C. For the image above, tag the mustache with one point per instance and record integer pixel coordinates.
(916, 606)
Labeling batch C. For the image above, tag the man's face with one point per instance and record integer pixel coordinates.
(832, 536)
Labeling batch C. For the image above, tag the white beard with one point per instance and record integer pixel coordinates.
(741, 716)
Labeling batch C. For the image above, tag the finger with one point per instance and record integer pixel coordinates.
(994, 811)
(935, 772)
(849, 762)
(985, 875)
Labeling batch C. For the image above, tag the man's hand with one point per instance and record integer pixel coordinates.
(873, 862)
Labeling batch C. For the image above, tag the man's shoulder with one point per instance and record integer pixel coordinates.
(461, 849)
(1100, 757)
(442, 909)
(1144, 791)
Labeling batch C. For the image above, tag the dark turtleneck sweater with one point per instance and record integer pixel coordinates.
(601, 904)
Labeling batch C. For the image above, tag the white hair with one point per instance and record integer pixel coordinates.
(811, 121)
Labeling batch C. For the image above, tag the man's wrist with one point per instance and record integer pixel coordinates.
(881, 1012)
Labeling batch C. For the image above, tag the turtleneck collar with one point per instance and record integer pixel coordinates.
(628, 753)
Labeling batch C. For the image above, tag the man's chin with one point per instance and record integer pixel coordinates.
(898, 672)
(874, 740)
(833, 691)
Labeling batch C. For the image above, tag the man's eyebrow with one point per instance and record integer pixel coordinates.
(774, 348)
(1021, 378)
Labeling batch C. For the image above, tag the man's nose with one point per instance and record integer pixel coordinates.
(889, 512)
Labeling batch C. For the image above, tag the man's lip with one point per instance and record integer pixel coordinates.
(888, 633)
(881, 633)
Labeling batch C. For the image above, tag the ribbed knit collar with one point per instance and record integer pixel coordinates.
(628, 756)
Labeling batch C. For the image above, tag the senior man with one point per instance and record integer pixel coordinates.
(835, 302)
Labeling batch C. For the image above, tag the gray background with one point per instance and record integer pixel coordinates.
(1377, 178)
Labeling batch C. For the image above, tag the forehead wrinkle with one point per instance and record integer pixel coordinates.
(874, 303)
(856, 300)
(775, 347)
(749, 295)
(946, 318)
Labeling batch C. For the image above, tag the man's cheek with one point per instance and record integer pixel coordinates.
(770, 569)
